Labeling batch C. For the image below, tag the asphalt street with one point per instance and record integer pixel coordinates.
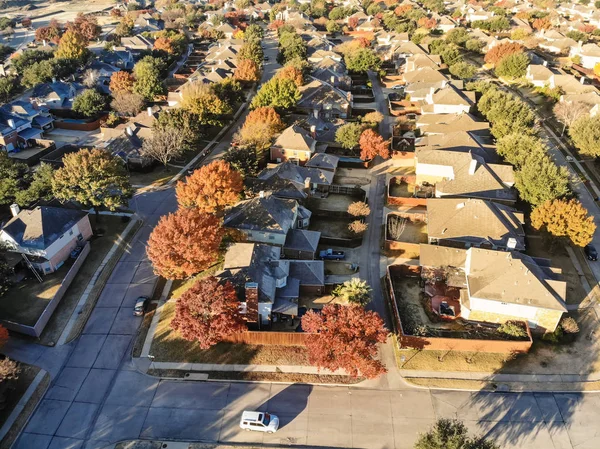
(97, 397)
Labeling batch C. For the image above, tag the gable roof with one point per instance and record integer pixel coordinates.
(302, 240)
(298, 174)
(267, 214)
(324, 161)
(448, 123)
(42, 226)
(474, 221)
(424, 75)
(515, 278)
(320, 94)
(488, 180)
(295, 138)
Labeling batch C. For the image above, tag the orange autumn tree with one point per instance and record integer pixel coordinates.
(501, 51)
(165, 44)
(372, 145)
(208, 312)
(211, 188)
(541, 24)
(184, 243)
(247, 70)
(292, 73)
(121, 82)
(260, 127)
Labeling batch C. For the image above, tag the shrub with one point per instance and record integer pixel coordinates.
(358, 227)
(569, 325)
(513, 329)
(359, 209)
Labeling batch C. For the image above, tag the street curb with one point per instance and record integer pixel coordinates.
(22, 403)
(124, 239)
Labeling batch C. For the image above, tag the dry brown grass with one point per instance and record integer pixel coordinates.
(451, 360)
(264, 377)
(169, 346)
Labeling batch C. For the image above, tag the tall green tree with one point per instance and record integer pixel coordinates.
(11, 174)
(148, 74)
(279, 93)
(40, 187)
(362, 60)
(252, 50)
(516, 148)
(93, 178)
(585, 133)
(513, 66)
(89, 103)
(348, 135)
(540, 180)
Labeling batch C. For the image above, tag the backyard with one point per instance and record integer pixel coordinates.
(352, 176)
(27, 300)
(401, 229)
(169, 346)
(335, 227)
(401, 188)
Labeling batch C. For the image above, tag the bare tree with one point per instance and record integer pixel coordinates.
(164, 145)
(396, 226)
(90, 78)
(568, 113)
(127, 104)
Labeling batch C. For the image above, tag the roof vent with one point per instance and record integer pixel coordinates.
(460, 205)
(261, 194)
(511, 243)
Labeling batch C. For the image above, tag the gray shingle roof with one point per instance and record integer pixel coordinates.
(42, 226)
(302, 240)
(269, 214)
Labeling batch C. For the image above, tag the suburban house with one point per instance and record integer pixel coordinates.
(46, 235)
(464, 141)
(448, 100)
(589, 54)
(328, 101)
(307, 178)
(465, 223)
(498, 286)
(538, 75)
(294, 144)
(55, 95)
(269, 287)
(267, 218)
(19, 131)
(449, 123)
(458, 174)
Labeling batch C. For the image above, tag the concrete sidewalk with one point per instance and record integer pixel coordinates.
(294, 369)
(500, 377)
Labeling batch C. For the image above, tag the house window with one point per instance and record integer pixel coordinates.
(271, 237)
(299, 224)
(70, 232)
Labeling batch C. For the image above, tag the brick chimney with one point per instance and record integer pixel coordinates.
(251, 290)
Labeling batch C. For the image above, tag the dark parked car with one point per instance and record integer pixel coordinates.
(140, 306)
(591, 252)
(75, 253)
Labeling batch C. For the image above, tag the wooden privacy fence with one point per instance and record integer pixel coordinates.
(269, 338)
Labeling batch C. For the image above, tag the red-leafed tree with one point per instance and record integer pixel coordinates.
(247, 70)
(3, 335)
(501, 51)
(184, 243)
(372, 144)
(87, 26)
(352, 22)
(50, 33)
(345, 337)
(276, 24)
(211, 188)
(208, 312)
